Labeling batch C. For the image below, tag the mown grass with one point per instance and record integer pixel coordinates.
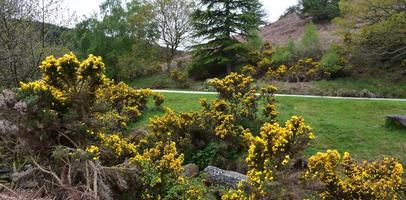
(348, 86)
(357, 126)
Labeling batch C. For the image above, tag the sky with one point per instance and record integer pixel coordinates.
(273, 8)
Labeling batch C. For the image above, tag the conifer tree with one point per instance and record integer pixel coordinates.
(217, 24)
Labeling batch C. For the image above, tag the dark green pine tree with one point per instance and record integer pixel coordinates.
(217, 24)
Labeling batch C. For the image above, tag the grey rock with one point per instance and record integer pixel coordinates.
(396, 119)
(219, 176)
(190, 170)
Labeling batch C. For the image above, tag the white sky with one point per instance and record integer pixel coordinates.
(274, 8)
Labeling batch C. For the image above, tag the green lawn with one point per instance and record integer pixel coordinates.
(357, 126)
(348, 86)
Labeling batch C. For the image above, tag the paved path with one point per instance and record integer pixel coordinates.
(286, 95)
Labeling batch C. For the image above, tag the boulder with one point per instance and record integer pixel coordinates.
(190, 170)
(397, 120)
(219, 176)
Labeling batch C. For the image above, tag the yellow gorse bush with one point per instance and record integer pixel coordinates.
(180, 78)
(81, 98)
(305, 69)
(346, 178)
(270, 151)
(232, 86)
(161, 166)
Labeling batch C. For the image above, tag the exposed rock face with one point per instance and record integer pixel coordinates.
(190, 170)
(219, 176)
(397, 119)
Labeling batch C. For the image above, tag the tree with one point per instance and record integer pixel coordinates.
(122, 32)
(320, 10)
(310, 45)
(217, 24)
(27, 34)
(374, 31)
(173, 19)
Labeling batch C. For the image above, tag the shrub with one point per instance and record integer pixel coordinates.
(221, 121)
(344, 178)
(305, 70)
(180, 78)
(277, 74)
(333, 61)
(270, 152)
(285, 54)
(72, 120)
(309, 45)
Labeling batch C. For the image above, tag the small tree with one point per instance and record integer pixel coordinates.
(217, 22)
(173, 19)
(310, 45)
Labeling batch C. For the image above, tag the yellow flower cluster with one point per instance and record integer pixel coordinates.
(164, 155)
(179, 78)
(158, 98)
(277, 73)
(232, 85)
(117, 144)
(127, 103)
(268, 96)
(305, 70)
(248, 70)
(272, 150)
(42, 89)
(348, 179)
(235, 195)
(94, 151)
(161, 165)
(219, 118)
(174, 127)
(264, 64)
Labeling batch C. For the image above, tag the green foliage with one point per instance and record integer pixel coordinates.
(123, 37)
(285, 54)
(379, 40)
(213, 134)
(180, 78)
(207, 155)
(333, 61)
(216, 23)
(310, 45)
(320, 10)
(254, 41)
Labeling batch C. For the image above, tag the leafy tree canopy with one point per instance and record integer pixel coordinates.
(320, 10)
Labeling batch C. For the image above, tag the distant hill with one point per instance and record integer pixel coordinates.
(292, 26)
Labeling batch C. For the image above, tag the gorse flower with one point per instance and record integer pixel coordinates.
(348, 179)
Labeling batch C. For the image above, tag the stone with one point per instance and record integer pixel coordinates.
(190, 170)
(224, 177)
(397, 120)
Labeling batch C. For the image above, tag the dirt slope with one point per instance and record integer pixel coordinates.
(292, 26)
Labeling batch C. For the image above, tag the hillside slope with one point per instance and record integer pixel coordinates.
(292, 27)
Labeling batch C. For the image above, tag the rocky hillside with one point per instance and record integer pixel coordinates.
(292, 27)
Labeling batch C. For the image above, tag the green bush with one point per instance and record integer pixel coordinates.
(284, 54)
(333, 61)
(310, 46)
